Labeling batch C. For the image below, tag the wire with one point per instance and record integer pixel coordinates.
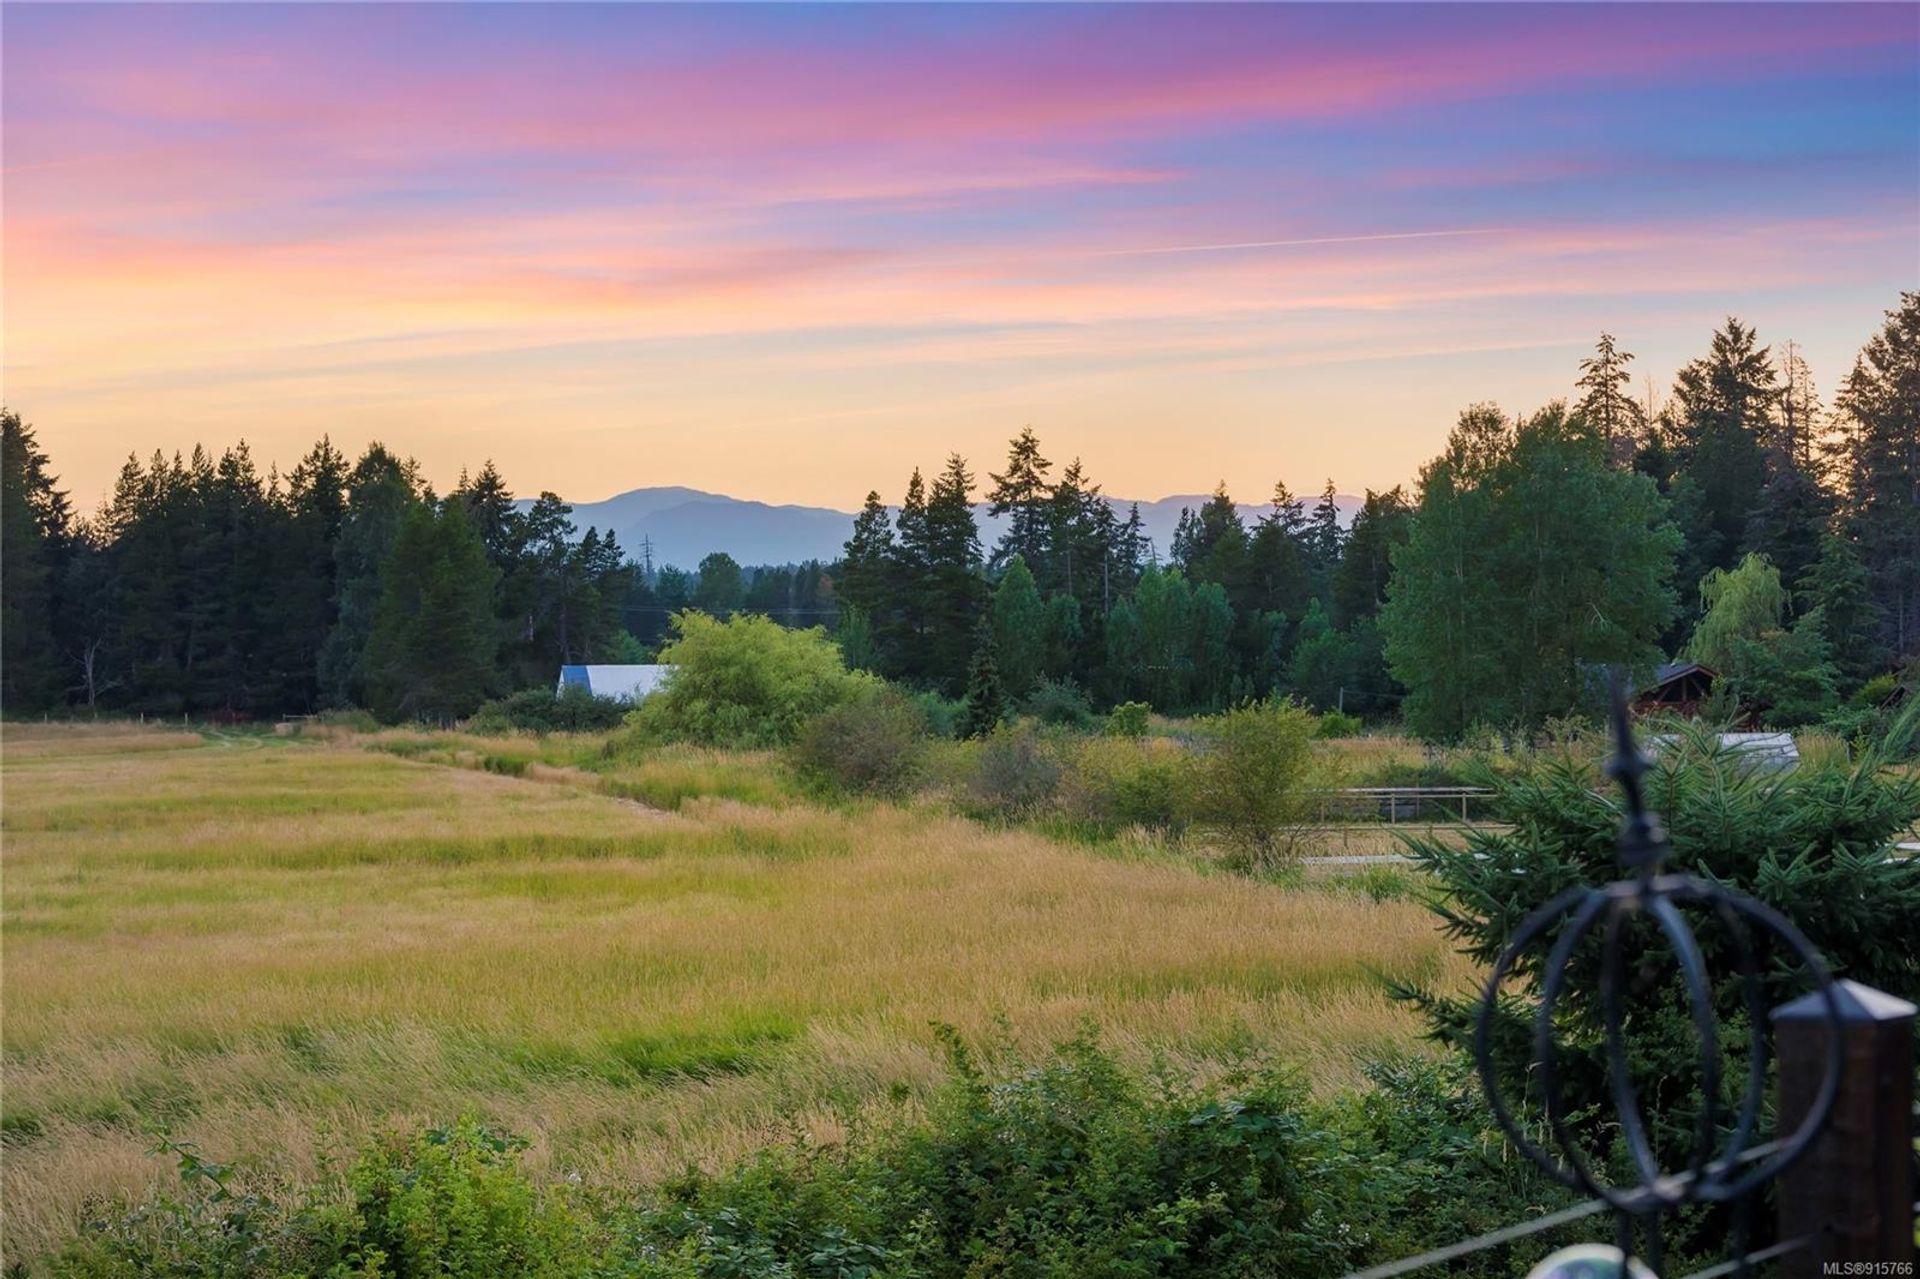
(1752, 1258)
(1492, 1239)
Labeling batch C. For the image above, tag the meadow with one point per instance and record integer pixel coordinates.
(272, 947)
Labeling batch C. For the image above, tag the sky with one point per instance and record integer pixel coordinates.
(791, 252)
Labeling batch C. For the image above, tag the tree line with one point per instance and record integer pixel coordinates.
(202, 588)
(1532, 550)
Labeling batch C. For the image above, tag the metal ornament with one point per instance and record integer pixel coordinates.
(1716, 1172)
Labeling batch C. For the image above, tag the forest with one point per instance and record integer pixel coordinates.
(1742, 522)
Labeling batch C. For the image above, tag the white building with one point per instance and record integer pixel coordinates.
(620, 683)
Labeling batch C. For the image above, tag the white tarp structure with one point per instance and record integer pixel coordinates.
(620, 683)
(1772, 752)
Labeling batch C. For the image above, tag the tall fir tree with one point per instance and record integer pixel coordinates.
(35, 530)
(1725, 405)
(954, 590)
(431, 648)
(1022, 494)
(1878, 448)
(1606, 408)
(986, 698)
(381, 491)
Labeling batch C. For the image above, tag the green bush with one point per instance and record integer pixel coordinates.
(1116, 783)
(1059, 703)
(1338, 724)
(1255, 780)
(1014, 774)
(1069, 1166)
(538, 710)
(943, 714)
(454, 1202)
(876, 745)
(747, 681)
(1815, 843)
(1128, 719)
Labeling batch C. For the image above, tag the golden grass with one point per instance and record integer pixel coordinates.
(274, 947)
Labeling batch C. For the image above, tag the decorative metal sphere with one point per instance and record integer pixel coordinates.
(1590, 1261)
(1717, 1172)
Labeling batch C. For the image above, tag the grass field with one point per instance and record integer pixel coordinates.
(272, 947)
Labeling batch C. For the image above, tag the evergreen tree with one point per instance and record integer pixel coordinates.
(307, 602)
(1879, 452)
(986, 699)
(1366, 561)
(866, 570)
(902, 629)
(430, 651)
(1019, 630)
(954, 590)
(1322, 541)
(35, 527)
(1726, 404)
(1023, 494)
(1837, 585)
(1605, 408)
(381, 491)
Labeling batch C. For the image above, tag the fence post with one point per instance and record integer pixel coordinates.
(1852, 1192)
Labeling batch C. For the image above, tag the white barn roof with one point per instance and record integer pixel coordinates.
(621, 683)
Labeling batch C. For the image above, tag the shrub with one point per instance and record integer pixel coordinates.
(1128, 719)
(1338, 724)
(1814, 843)
(1060, 703)
(1066, 1166)
(1254, 782)
(943, 714)
(1117, 783)
(538, 710)
(455, 1202)
(1014, 774)
(876, 745)
(747, 681)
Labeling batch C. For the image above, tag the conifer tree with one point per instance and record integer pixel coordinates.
(33, 553)
(954, 590)
(430, 651)
(381, 490)
(1725, 406)
(986, 699)
(1605, 408)
(1022, 493)
(1879, 452)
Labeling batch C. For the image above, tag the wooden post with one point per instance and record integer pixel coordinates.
(1852, 1191)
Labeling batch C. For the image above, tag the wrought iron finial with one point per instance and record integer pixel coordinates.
(1643, 845)
(1724, 1164)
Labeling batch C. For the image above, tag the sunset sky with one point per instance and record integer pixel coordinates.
(790, 252)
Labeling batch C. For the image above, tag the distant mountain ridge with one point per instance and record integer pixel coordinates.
(683, 525)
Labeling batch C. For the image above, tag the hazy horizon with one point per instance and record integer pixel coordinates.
(790, 253)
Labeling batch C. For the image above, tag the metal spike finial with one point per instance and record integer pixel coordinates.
(1643, 844)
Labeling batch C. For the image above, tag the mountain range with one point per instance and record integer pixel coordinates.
(680, 526)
